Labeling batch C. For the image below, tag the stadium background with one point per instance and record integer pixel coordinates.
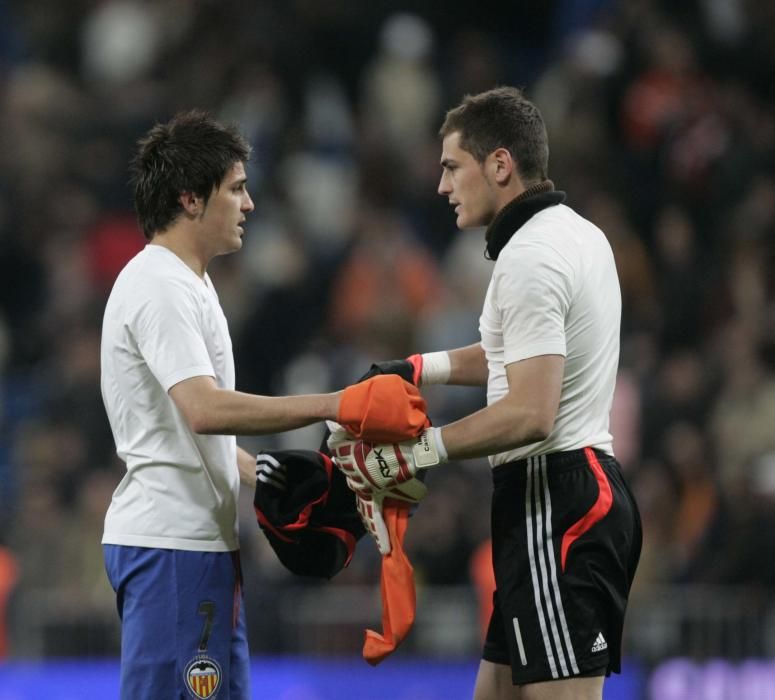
(662, 127)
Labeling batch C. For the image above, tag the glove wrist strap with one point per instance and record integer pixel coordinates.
(429, 449)
(436, 367)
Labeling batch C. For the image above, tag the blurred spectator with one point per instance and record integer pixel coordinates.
(678, 393)
(697, 524)
(401, 94)
(741, 420)
(683, 278)
(385, 284)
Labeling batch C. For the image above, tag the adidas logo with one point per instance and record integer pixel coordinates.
(600, 643)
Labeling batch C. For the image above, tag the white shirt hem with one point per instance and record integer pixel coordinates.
(170, 543)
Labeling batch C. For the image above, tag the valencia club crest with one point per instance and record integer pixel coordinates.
(203, 677)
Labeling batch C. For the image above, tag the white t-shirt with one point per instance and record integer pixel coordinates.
(164, 324)
(554, 291)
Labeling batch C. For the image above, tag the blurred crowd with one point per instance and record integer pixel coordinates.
(661, 118)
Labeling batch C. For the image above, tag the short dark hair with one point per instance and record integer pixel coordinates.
(502, 118)
(190, 153)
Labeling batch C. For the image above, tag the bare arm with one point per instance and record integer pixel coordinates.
(468, 366)
(525, 415)
(213, 411)
(246, 463)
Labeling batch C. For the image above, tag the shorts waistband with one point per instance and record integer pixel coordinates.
(555, 461)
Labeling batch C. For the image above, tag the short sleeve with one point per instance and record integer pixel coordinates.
(168, 330)
(532, 288)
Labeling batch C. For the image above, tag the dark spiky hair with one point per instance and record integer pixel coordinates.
(190, 153)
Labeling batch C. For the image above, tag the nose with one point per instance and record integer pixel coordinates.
(444, 188)
(247, 203)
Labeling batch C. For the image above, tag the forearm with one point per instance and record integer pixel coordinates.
(468, 366)
(210, 410)
(525, 415)
(237, 413)
(505, 425)
(246, 464)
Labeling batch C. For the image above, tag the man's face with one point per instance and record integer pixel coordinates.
(225, 211)
(465, 183)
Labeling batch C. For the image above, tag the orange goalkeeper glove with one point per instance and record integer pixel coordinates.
(384, 408)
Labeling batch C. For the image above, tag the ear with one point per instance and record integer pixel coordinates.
(191, 203)
(503, 166)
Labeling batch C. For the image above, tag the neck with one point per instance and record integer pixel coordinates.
(517, 212)
(178, 242)
(532, 190)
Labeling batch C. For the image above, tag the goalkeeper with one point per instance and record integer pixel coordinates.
(565, 528)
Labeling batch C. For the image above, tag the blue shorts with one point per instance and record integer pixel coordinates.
(183, 633)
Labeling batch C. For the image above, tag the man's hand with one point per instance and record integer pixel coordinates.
(384, 408)
(371, 468)
(369, 498)
(410, 369)
(370, 504)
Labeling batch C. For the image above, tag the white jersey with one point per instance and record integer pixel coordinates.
(555, 291)
(164, 324)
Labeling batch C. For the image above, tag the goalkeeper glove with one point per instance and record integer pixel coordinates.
(371, 467)
(428, 368)
(370, 504)
(369, 501)
(410, 369)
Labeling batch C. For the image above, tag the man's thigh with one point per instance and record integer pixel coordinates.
(493, 682)
(568, 689)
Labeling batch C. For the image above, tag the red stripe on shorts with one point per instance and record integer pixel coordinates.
(596, 513)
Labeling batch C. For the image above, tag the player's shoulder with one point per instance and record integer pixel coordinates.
(159, 265)
(558, 220)
(562, 228)
(154, 274)
(545, 233)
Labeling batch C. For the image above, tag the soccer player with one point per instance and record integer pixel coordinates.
(565, 528)
(170, 539)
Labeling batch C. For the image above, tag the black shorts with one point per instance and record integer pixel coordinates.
(566, 539)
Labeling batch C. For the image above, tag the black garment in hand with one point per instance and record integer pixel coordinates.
(312, 525)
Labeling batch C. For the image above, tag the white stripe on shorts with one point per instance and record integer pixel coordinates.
(538, 489)
(553, 566)
(534, 568)
(543, 569)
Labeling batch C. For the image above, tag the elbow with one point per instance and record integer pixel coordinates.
(199, 424)
(200, 420)
(538, 427)
(199, 404)
(535, 435)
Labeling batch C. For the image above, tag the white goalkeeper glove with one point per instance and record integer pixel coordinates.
(369, 498)
(370, 504)
(376, 467)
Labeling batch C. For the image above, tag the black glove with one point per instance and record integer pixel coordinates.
(410, 369)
